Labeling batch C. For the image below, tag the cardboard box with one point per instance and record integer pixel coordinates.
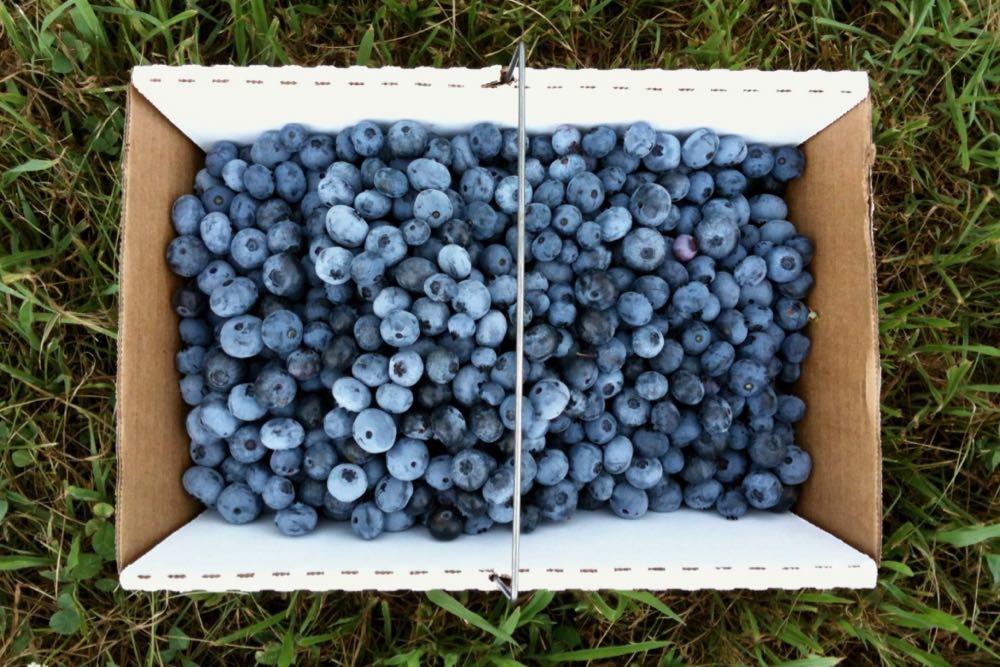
(165, 543)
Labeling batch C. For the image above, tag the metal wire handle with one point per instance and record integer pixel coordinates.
(511, 589)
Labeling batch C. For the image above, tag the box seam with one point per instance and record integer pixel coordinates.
(123, 221)
(869, 161)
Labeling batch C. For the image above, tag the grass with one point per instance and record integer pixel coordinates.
(63, 68)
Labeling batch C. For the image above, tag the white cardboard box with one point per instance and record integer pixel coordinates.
(165, 544)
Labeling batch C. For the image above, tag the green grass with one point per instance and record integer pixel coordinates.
(935, 72)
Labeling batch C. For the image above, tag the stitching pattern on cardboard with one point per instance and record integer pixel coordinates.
(492, 572)
(423, 84)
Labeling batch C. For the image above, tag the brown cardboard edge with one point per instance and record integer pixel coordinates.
(126, 151)
(871, 541)
(131, 541)
(875, 389)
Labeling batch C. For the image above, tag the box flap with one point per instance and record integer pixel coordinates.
(227, 102)
(770, 107)
(159, 164)
(689, 550)
(841, 379)
(209, 104)
(210, 554)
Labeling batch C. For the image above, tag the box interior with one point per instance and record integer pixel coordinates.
(173, 111)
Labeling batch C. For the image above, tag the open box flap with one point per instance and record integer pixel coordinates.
(210, 554)
(209, 104)
(688, 550)
(769, 107)
(226, 102)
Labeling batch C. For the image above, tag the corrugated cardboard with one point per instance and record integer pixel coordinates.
(835, 542)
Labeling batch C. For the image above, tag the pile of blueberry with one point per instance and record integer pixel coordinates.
(348, 321)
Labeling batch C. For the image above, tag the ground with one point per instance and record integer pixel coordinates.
(63, 68)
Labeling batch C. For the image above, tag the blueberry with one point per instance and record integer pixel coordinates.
(392, 494)
(187, 256)
(795, 467)
(762, 489)
(716, 237)
(238, 504)
(427, 174)
(469, 469)
(319, 459)
(788, 163)
(186, 214)
(433, 207)
(400, 328)
(395, 522)
(190, 359)
(317, 151)
(444, 524)
(367, 520)
(665, 153)
(795, 348)
(194, 332)
(374, 431)
(347, 482)
(281, 433)
(647, 341)
(505, 194)
(585, 191)
(367, 138)
(275, 388)
(221, 371)
(702, 495)
(394, 399)
(628, 502)
(650, 204)
(193, 388)
(407, 138)
(485, 140)
(499, 486)
(732, 151)
(218, 198)
(209, 454)
(783, 264)
(278, 493)
(203, 483)
(758, 162)
(639, 139)
(240, 337)
(598, 141)
(558, 501)
(245, 445)
(281, 331)
(644, 249)
(295, 520)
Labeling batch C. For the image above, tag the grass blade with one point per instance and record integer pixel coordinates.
(602, 653)
(453, 606)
